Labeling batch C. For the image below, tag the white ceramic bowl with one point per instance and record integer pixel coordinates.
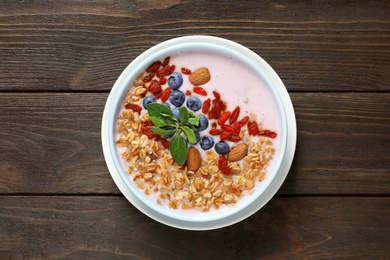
(214, 219)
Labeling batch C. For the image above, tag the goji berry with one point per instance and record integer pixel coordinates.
(223, 165)
(235, 138)
(233, 118)
(153, 67)
(165, 94)
(162, 81)
(226, 135)
(199, 90)
(154, 86)
(214, 125)
(165, 71)
(186, 71)
(145, 129)
(165, 143)
(236, 127)
(217, 95)
(171, 69)
(148, 77)
(243, 121)
(215, 111)
(166, 61)
(222, 119)
(188, 93)
(147, 123)
(206, 106)
(134, 107)
(223, 106)
(216, 131)
(158, 95)
(268, 133)
(228, 128)
(253, 128)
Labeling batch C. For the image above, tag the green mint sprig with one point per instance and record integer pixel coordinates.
(166, 124)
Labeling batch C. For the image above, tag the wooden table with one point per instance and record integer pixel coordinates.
(59, 60)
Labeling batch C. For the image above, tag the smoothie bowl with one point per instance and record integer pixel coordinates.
(198, 132)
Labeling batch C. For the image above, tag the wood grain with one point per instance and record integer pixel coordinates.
(50, 144)
(110, 228)
(73, 45)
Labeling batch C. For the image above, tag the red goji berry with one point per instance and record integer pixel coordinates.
(134, 107)
(222, 119)
(228, 128)
(188, 93)
(268, 133)
(186, 71)
(154, 86)
(216, 131)
(206, 106)
(236, 127)
(233, 118)
(223, 106)
(199, 90)
(145, 129)
(235, 138)
(226, 135)
(214, 125)
(165, 94)
(223, 165)
(166, 61)
(253, 128)
(215, 111)
(147, 123)
(165, 143)
(162, 81)
(243, 121)
(149, 77)
(165, 71)
(153, 67)
(158, 95)
(171, 69)
(217, 95)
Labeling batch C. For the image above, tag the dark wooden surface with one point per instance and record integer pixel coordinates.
(59, 60)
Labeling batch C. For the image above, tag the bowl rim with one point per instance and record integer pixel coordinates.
(210, 221)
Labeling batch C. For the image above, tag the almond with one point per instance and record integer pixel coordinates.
(238, 152)
(194, 160)
(200, 76)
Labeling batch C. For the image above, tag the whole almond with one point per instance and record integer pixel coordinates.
(200, 76)
(238, 152)
(194, 160)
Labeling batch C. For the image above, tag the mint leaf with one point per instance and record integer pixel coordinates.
(159, 122)
(184, 115)
(169, 119)
(161, 131)
(156, 109)
(194, 120)
(178, 149)
(189, 133)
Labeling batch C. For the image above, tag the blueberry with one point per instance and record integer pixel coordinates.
(194, 103)
(175, 80)
(222, 147)
(177, 98)
(147, 100)
(176, 113)
(168, 105)
(206, 142)
(203, 123)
